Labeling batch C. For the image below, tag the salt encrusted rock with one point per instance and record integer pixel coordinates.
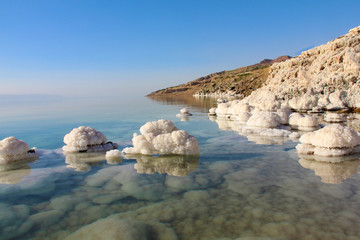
(185, 111)
(212, 112)
(303, 121)
(86, 139)
(113, 156)
(162, 137)
(12, 149)
(332, 140)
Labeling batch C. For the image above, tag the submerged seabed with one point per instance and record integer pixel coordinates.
(236, 189)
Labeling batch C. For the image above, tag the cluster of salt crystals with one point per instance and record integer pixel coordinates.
(12, 149)
(162, 137)
(86, 139)
(331, 141)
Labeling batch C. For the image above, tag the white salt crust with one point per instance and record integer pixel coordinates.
(303, 122)
(87, 139)
(162, 137)
(12, 149)
(332, 140)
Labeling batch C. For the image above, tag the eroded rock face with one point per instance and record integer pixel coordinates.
(326, 76)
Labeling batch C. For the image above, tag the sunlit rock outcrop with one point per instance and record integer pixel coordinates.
(326, 75)
(87, 139)
(162, 137)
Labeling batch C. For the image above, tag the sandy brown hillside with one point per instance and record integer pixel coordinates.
(241, 81)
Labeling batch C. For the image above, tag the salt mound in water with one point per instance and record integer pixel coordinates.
(87, 139)
(12, 149)
(303, 121)
(162, 137)
(332, 140)
(264, 120)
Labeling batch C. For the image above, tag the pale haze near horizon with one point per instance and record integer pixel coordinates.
(107, 48)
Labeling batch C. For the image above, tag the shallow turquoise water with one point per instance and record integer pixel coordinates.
(236, 189)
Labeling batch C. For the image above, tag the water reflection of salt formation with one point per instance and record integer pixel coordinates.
(15, 172)
(266, 136)
(333, 173)
(175, 165)
(84, 161)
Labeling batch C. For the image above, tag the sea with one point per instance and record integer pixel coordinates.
(240, 187)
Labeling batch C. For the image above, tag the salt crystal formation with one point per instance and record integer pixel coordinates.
(86, 139)
(113, 156)
(162, 137)
(332, 140)
(12, 149)
(303, 122)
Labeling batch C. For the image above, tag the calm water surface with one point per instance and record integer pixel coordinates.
(241, 187)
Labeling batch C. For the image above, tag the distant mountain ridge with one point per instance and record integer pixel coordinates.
(239, 82)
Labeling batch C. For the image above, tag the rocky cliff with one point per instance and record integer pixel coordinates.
(325, 77)
(239, 82)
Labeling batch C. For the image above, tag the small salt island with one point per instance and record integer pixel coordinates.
(13, 149)
(86, 139)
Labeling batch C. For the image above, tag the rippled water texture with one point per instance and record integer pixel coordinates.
(241, 187)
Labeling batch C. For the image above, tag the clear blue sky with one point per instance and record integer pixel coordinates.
(120, 47)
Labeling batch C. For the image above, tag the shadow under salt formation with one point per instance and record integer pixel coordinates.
(13, 173)
(333, 173)
(174, 165)
(84, 161)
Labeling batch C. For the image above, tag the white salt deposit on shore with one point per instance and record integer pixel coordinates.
(162, 137)
(87, 139)
(12, 149)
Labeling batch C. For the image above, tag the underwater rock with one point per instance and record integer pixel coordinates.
(162, 137)
(117, 228)
(86, 139)
(12, 149)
